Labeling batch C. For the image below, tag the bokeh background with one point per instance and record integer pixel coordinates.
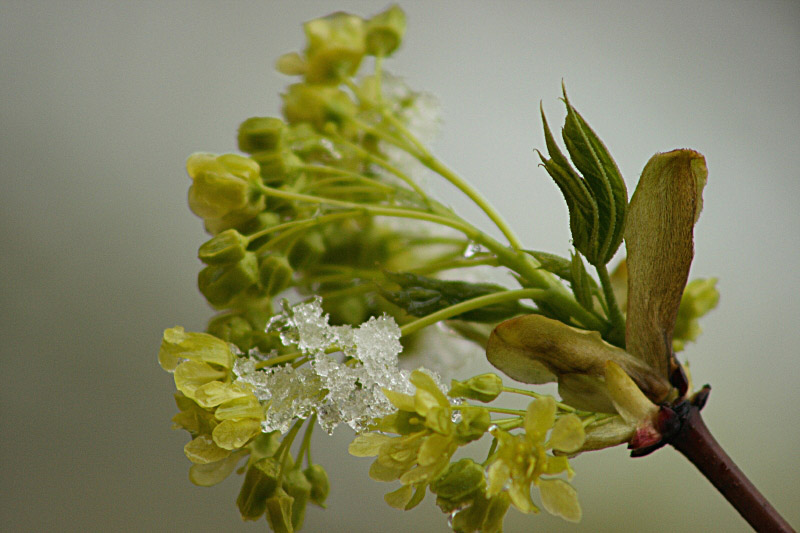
(101, 102)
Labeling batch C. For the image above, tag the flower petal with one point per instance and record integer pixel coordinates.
(567, 435)
(539, 418)
(560, 499)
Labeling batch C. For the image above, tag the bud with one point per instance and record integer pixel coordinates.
(221, 184)
(222, 283)
(260, 482)
(275, 273)
(335, 47)
(320, 486)
(299, 488)
(472, 518)
(458, 483)
(259, 134)
(276, 165)
(484, 388)
(660, 243)
(226, 247)
(473, 424)
(316, 104)
(279, 512)
(232, 328)
(385, 31)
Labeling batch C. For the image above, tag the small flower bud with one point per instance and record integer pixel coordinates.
(473, 425)
(221, 283)
(279, 512)
(299, 488)
(226, 247)
(320, 486)
(335, 47)
(484, 388)
(276, 165)
(221, 184)
(264, 220)
(385, 31)
(316, 104)
(458, 482)
(258, 134)
(275, 273)
(260, 482)
(232, 328)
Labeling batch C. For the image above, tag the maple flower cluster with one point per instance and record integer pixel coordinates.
(324, 207)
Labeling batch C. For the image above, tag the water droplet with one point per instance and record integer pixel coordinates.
(473, 249)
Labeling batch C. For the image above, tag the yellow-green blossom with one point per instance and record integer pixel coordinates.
(427, 439)
(521, 459)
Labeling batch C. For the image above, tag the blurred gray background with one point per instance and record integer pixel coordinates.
(101, 102)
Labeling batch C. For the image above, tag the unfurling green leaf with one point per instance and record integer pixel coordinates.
(581, 283)
(603, 178)
(597, 198)
(421, 296)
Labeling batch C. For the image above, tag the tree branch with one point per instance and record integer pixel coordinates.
(696, 442)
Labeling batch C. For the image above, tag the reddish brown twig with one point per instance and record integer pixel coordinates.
(696, 442)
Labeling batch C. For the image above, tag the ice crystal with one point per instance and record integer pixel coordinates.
(349, 391)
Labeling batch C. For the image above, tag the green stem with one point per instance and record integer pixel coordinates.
(278, 360)
(303, 222)
(493, 446)
(501, 410)
(468, 305)
(305, 446)
(283, 449)
(374, 209)
(508, 424)
(530, 393)
(335, 137)
(333, 171)
(615, 315)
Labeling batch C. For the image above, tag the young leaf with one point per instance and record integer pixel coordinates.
(603, 178)
(421, 296)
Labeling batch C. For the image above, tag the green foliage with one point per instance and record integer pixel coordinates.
(597, 197)
(421, 296)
